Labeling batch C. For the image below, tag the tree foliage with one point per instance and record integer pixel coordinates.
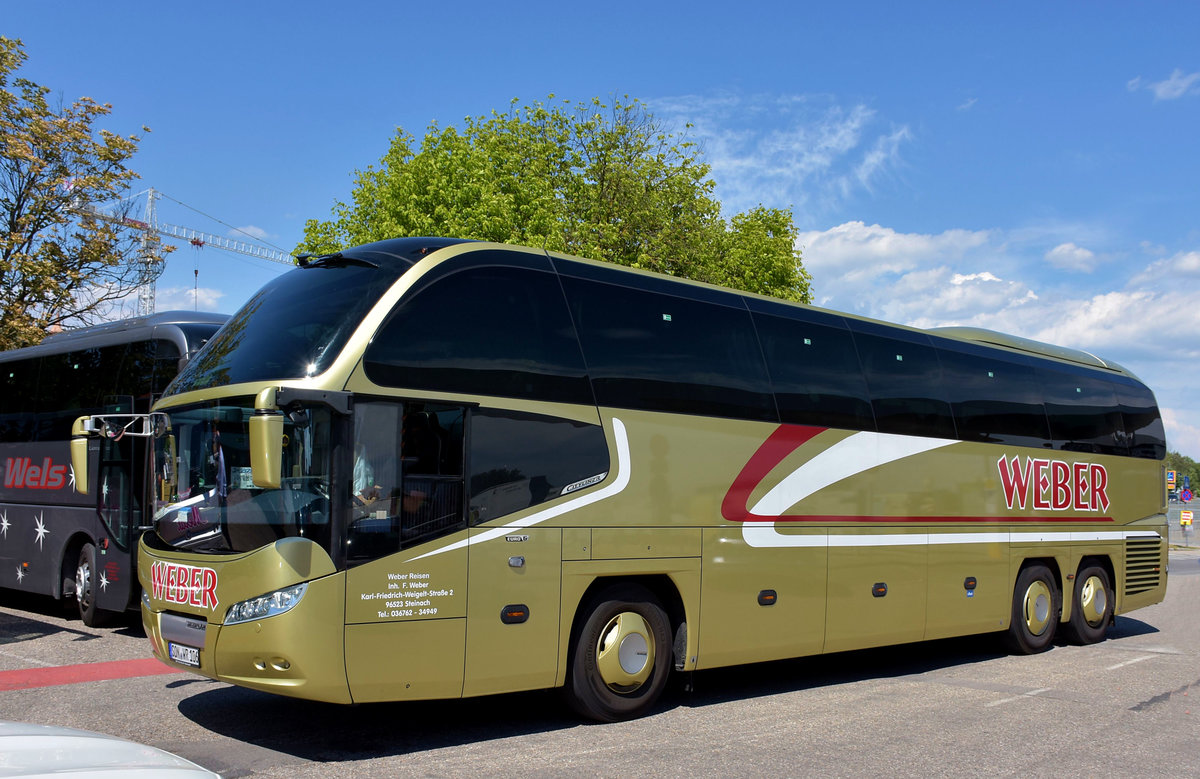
(598, 181)
(62, 261)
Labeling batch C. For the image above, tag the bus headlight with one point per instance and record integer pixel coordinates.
(266, 605)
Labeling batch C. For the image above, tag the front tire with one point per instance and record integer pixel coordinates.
(621, 655)
(1092, 607)
(1036, 608)
(85, 590)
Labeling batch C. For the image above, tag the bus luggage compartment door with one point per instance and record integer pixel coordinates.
(512, 638)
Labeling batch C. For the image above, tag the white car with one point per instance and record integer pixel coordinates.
(44, 750)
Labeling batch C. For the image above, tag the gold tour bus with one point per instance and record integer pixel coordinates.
(431, 468)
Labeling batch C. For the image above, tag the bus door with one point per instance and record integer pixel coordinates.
(406, 553)
(119, 508)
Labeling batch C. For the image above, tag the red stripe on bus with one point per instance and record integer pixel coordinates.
(30, 678)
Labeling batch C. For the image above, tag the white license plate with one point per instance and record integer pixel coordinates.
(184, 655)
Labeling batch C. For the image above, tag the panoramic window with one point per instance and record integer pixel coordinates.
(659, 352)
(1141, 420)
(814, 369)
(483, 331)
(905, 380)
(1083, 411)
(994, 395)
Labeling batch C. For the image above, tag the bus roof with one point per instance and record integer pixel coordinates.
(107, 333)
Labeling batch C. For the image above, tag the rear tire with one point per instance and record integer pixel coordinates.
(85, 589)
(621, 655)
(1092, 606)
(1036, 609)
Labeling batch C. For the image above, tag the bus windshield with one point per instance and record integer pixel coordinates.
(294, 327)
(204, 498)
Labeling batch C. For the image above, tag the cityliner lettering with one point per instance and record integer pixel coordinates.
(1053, 485)
(188, 585)
(21, 473)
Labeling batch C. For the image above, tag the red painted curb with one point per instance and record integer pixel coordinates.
(29, 678)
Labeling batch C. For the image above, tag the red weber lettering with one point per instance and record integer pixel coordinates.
(1053, 485)
(21, 473)
(188, 585)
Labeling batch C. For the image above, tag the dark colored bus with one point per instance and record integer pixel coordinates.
(53, 540)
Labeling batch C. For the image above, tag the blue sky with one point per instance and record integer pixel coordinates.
(1026, 167)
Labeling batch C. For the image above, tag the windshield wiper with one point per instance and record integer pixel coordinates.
(335, 260)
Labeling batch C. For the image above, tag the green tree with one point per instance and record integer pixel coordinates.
(63, 262)
(598, 181)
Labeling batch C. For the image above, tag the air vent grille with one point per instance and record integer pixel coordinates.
(1143, 564)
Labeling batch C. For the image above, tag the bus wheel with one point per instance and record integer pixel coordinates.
(85, 578)
(621, 657)
(1035, 610)
(1093, 606)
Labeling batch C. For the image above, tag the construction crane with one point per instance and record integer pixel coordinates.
(152, 261)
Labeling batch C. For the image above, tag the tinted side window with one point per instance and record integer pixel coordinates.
(1083, 411)
(1141, 420)
(815, 373)
(905, 381)
(994, 396)
(659, 352)
(18, 391)
(483, 331)
(520, 460)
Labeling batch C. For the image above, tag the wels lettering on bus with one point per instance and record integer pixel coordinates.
(21, 473)
(1053, 485)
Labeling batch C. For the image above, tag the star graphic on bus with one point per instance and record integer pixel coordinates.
(103, 581)
(71, 476)
(104, 488)
(20, 574)
(4, 524)
(40, 530)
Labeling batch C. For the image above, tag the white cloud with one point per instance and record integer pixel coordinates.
(1173, 87)
(967, 104)
(807, 152)
(1068, 256)
(1182, 435)
(1181, 266)
(188, 298)
(249, 231)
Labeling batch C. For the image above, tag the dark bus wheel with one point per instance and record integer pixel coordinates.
(1092, 606)
(85, 588)
(1036, 608)
(621, 657)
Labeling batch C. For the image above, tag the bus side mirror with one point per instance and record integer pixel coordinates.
(81, 434)
(266, 450)
(266, 442)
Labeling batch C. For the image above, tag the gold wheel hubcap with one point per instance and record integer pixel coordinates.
(1037, 608)
(1093, 601)
(625, 652)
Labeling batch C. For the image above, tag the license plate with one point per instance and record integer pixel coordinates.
(184, 655)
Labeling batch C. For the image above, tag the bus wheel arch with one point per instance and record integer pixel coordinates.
(1036, 607)
(623, 642)
(1093, 601)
